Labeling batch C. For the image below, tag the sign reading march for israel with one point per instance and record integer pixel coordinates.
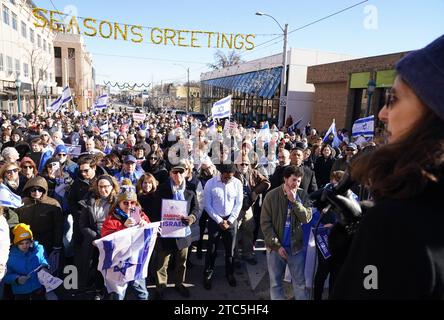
(60, 101)
(124, 255)
(222, 108)
(364, 127)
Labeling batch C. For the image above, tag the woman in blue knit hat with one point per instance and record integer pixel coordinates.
(397, 250)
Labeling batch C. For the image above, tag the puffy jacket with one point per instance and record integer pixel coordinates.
(114, 223)
(20, 264)
(43, 215)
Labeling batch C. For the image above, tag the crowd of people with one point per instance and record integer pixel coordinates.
(71, 175)
(78, 176)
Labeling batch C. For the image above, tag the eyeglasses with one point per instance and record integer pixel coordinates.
(37, 189)
(84, 171)
(177, 172)
(128, 203)
(244, 164)
(53, 164)
(390, 98)
(27, 167)
(62, 154)
(11, 171)
(105, 186)
(153, 158)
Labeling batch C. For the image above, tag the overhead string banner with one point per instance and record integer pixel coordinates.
(91, 27)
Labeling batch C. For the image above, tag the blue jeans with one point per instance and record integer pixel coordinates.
(139, 288)
(276, 270)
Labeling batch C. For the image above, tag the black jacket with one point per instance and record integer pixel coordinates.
(322, 169)
(164, 192)
(403, 241)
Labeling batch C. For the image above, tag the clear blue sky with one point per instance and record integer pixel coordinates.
(401, 25)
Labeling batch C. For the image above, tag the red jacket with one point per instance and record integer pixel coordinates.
(113, 223)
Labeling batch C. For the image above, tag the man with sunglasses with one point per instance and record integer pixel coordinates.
(176, 248)
(341, 164)
(78, 191)
(254, 184)
(66, 164)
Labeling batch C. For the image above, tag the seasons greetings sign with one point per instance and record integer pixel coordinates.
(135, 33)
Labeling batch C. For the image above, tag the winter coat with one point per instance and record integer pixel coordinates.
(43, 215)
(322, 169)
(114, 223)
(20, 264)
(399, 247)
(164, 192)
(274, 214)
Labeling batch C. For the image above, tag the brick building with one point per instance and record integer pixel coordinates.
(341, 89)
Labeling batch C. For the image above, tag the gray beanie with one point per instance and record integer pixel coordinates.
(423, 71)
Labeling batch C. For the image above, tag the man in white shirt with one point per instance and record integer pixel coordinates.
(223, 196)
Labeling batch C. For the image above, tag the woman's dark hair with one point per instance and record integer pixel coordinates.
(404, 168)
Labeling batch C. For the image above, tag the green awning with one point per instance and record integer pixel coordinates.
(359, 80)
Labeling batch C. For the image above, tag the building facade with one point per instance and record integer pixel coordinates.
(342, 89)
(27, 55)
(179, 95)
(74, 67)
(255, 86)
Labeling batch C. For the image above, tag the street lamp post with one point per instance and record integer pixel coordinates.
(188, 85)
(371, 86)
(283, 96)
(18, 84)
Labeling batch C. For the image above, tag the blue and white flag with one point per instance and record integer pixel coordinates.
(104, 129)
(264, 133)
(101, 102)
(364, 127)
(60, 101)
(124, 255)
(212, 128)
(222, 108)
(294, 126)
(9, 198)
(332, 130)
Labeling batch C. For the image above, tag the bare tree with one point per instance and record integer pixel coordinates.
(221, 60)
(39, 69)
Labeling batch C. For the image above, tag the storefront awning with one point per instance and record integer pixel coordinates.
(262, 83)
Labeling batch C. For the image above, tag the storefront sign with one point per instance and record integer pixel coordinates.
(162, 36)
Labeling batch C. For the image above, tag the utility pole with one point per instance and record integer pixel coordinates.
(188, 90)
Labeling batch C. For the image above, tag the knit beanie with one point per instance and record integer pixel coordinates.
(423, 71)
(21, 232)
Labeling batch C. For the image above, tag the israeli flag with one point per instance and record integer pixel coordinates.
(212, 128)
(101, 102)
(222, 108)
(332, 130)
(364, 127)
(294, 126)
(124, 256)
(104, 129)
(9, 198)
(264, 133)
(60, 101)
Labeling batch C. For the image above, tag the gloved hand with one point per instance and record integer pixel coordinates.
(348, 210)
(129, 222)
(22, 279)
